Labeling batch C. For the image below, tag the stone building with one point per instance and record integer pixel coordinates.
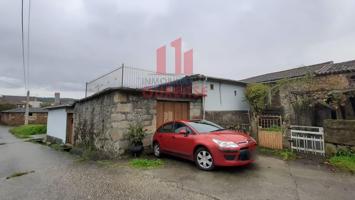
(311, 94)
(321, 95)
(101, 121)
(16, 116)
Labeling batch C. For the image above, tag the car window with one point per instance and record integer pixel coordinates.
(167, 128)
(180, 126)
(204, 126)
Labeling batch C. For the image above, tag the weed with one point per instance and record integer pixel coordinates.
(284, 154)
(146, 163)
(25, 131)
(345, 162)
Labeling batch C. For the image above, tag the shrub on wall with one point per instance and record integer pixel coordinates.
(257, 96)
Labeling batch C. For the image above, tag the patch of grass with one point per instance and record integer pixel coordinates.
(17, 174)
(146, 163)
(284, 154)
(57, 147)
(345, 162)
(25, 131)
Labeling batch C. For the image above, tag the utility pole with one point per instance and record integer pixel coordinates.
(27, 107)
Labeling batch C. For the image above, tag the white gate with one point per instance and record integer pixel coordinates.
(308, 139)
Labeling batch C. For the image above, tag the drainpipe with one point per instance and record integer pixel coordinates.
(203, 98)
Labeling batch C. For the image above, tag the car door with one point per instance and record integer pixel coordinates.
(183, 144)
(165, 134)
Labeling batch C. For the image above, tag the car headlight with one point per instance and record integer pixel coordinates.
(225, 144)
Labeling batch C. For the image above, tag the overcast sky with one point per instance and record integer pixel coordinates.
(74, 41)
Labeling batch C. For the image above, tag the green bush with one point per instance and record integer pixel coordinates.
(346, 162)
(25, 131)
(257, 96)
(136, 133)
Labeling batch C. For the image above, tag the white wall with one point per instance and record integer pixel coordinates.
(222, 97)
(57, 123)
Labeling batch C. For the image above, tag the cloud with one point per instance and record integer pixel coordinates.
(73, 42)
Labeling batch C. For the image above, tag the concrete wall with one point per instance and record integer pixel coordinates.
(57, 124)
(15, 119)
(223, 97)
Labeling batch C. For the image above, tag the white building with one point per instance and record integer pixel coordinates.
(60, 124)
(224, 101)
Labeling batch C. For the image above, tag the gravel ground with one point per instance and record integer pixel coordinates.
(60, 175)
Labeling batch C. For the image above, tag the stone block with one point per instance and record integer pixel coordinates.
(120, 125)
(124, 107)
(330, 149)
(341, 148)
(117, 134)
(352, 148)
(118, 117)
(120, 98)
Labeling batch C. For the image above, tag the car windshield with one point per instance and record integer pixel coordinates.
(204, 126)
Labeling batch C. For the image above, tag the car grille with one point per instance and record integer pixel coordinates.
(229, 157)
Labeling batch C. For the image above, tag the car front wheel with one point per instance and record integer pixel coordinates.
(204, 159)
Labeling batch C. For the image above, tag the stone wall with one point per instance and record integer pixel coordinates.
(196, 109)
(15, 119)
(339, 135)
(318, 87)
(102, 122)
(228, 119)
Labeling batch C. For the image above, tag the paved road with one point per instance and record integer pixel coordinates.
(59, 175)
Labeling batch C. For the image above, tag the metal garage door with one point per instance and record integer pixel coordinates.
(171, 110)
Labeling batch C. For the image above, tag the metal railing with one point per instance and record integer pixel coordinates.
(129, 77)
(308, 139)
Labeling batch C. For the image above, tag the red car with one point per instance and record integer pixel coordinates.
(204, 142)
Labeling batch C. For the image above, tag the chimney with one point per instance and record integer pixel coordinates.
(56, 98)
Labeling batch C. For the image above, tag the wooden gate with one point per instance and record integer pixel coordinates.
(171, 110)
(69, 135)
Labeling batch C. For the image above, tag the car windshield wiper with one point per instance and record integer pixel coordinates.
(221, 129)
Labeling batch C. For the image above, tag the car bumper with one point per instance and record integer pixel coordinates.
(241, 157)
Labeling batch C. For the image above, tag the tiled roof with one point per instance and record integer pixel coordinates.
(336, 68)
(22, 110)
(290, 73)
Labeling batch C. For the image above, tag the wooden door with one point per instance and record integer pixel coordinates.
(171, 110)
(70, 136)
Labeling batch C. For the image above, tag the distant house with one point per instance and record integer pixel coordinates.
(60, 124)
(16, 116)
(328, 94)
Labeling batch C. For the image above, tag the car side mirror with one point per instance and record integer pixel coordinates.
(183, 132)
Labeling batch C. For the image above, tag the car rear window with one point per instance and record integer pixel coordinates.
(204, 126)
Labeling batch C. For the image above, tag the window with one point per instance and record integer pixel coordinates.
(30, 114)
(204, 126)
(167, 128)
(235, 92)
(211, 86)
(181, 126)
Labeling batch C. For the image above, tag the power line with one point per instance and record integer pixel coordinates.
(23, 47)
(28, 43)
